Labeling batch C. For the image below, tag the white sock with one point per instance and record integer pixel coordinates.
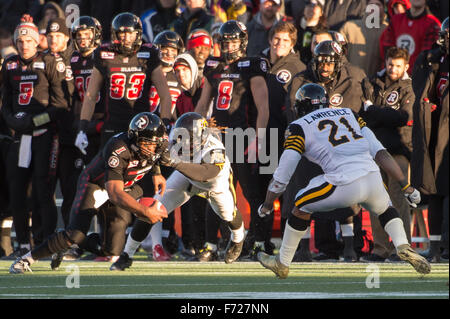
(131, 246)
(289, 245)
(238, 235)
(347, 230)
(396, 231)
(156, 233)
(259, 244)
(307, 235)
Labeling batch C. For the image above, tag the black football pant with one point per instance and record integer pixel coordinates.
(39, 173)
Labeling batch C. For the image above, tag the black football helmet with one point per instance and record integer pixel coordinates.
(147, 127)
(232, 30)
(310, 97)
(126, 22)
(169, 39)
(327, 51)
(443, 40)
(87, 23)
(194, 124)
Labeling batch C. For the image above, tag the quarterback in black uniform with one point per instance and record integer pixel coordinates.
(237, 86)
(126, 69)
(110, 177)
(32, 100)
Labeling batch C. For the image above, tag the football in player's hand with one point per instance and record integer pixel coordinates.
(151, 202)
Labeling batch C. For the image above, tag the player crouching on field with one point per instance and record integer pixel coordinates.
(110, 177)
(348, 152)
(206, 172)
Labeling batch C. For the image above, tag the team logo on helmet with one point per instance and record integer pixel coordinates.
(284, 76)
(142, 122)
(241, 26)
(54, 27)
(392, 98)
(336, 100)
(336, 47)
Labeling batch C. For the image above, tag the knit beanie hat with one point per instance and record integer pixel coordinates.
(26, 28)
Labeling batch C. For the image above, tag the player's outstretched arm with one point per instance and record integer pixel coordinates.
(120, 198)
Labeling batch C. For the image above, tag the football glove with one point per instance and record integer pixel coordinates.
(81, 142)
(263, 213)
(413, 198)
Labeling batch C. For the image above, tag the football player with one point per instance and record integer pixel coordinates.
(348, 153)
(206, 172)
(125, 69)
(236, 85)
(110, 177)
(32, 100)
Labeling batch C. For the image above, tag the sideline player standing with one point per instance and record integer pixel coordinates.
(346, 150)
(110, 177)
(32, 100)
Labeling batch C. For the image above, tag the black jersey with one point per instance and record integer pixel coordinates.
(117, 161)
(82, 67)
(231, 88)
(30, 87)
(127, 80)
(175, 90)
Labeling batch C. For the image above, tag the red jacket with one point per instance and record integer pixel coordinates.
(414, 34)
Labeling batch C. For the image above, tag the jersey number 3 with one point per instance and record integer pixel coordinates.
(334, 129)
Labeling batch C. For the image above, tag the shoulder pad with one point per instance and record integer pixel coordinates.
(295, 138)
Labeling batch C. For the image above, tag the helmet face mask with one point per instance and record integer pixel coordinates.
(168, 39)
(87, 23)
(309, 98)
(188, 133)
(230, 31)
(123, 23)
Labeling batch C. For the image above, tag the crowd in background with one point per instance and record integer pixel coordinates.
(393, 71)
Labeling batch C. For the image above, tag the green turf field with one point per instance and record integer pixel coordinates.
(216, 280)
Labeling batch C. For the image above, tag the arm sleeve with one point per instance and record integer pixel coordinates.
(286, 168)
(115, 164)
(198, 172)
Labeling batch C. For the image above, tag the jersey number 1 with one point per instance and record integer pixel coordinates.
(334, 128)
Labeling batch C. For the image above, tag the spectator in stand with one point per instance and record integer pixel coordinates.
(193, 17)
(199, 45)
(51, 10)
(388, 101)
(311, 22)
(363, 36)
(226, 10)
(340, 11)
(12, 10)
(397, 7)
(159, 18)
(258, 28)
(429, 164)
(415, 30)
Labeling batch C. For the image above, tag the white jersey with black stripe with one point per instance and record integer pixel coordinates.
(332, 138)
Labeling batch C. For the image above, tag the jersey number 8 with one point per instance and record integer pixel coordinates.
(118, 83)
(225, 90)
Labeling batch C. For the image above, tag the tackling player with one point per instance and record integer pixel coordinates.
(348, 153)
(208, 175)
(110, 177)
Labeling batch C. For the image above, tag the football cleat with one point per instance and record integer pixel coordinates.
(56, 260)
(16, 254)
(420, 264)
(122, 263)
(207, 254)
(159, 254)
(254, 253)
(233, 251)
(273, 263)
(20, 266)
